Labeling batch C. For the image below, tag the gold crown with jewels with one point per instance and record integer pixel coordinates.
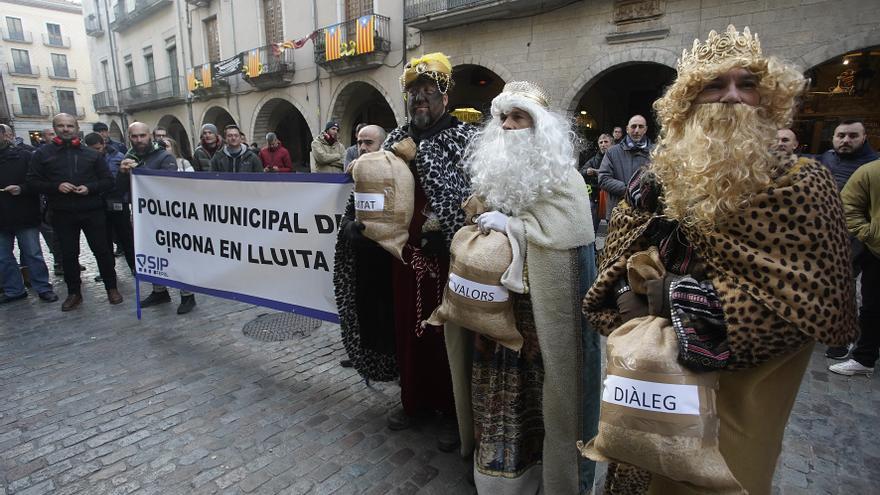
(528, 90)
(719, 47)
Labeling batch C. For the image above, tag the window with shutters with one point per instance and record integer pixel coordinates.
(54, 32)
(273, 21)
(21, 61)
(212, 39)
(30, 101)
(13, 26)
(129, 70)
(66, 101)
(353, 10)
(59, 65)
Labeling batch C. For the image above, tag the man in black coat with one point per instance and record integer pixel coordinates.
(19, 219)
(73, 178)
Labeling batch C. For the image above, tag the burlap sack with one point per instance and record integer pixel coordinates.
(655, 413)
(384, 191)
(474, 297)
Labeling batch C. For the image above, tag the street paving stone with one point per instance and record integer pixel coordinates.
(96, 402)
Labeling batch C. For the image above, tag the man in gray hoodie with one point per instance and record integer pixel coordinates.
(235, 156)
(623, 159)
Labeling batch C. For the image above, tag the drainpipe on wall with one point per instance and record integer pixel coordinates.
(194, 135)
(317, 69)
(116, 77)
(235, 50)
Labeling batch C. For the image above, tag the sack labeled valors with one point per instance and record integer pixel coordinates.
(655, 413)
(384, 191)
(474, 297)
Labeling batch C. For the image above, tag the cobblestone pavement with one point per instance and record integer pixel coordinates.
(95, 402)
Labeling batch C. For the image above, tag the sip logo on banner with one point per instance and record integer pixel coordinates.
(152, 265)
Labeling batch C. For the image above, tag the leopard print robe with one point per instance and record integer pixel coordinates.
(781, 269)
(446, 185)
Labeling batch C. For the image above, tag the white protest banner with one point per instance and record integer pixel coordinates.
(265, 239)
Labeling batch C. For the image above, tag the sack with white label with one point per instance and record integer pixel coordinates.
(656, 414)
(474, 297)
(384, 191)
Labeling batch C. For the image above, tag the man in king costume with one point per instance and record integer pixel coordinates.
(755, 246)
(381, 300)
(527, 407)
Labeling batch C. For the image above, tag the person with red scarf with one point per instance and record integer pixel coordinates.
(327, 151)
(209, 143)
(274, 156)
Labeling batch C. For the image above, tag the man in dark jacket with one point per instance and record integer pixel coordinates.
(850, 151)
(147, 153)
(623, 160)
(19, 219)
(102, 129)
(235, 156)
(209, 144)
(118, 202)
(73, 178)
(590, 173)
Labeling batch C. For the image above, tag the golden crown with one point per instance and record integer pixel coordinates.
(528, 90)
(718, 47)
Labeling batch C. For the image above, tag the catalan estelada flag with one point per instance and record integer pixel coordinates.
(332, 40)
(254, 67)
(191, 79)
(365, 26)
(206, 76)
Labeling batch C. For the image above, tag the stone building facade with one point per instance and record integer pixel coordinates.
(42, 64)
(600, 60)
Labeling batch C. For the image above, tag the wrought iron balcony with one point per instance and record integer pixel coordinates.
(17, 36)
(23, 70)
(61, 73)
(353, 45)
(105, 102)
(124, 18)
(93, 26)
(154, 94)
(269, 66)
(439, 14)
(56, 41)
(36, 111)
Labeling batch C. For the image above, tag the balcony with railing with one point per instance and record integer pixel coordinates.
(56, 41)
(35, 111)
(105, 102)
(61, 73)
(17, 36)
(23, 70)
(439, 14)
(93, 25)
(353, 45)
(269, 66)
(78, 112)
(154, 94)
(124, 17)
(200, 81)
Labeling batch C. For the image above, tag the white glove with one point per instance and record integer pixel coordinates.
(492, 220)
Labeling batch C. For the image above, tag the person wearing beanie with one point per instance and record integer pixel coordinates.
(104, 131)
(209, 143)
(327, 151)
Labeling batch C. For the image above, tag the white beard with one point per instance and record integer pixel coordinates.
(507, 170)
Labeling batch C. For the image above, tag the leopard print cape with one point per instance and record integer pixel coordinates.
(781, 268)
(446, 185)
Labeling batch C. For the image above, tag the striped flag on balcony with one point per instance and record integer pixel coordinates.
(206, 76)
(253, 67)
(332, 40)
(365, 27)
(191, 81)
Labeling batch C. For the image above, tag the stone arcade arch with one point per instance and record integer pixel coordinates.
(287, 122)
(359, 102)
(177, 132)
(116, 132)
(475, 87)
(220, 117)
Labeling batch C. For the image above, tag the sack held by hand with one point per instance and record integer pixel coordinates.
(384, 190)
(655, 413)
(474, 297)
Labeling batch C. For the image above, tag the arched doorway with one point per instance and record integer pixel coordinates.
(177, 132)
(220, 117)
(361, 103)
(116, 132)
(846, 87)
(475, 87)
(282, 118)
(618, 93)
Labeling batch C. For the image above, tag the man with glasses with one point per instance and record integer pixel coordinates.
(235, 156)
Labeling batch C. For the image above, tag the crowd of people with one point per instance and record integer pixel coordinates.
(760, 248)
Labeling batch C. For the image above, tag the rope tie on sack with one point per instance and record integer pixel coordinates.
(424, 266)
